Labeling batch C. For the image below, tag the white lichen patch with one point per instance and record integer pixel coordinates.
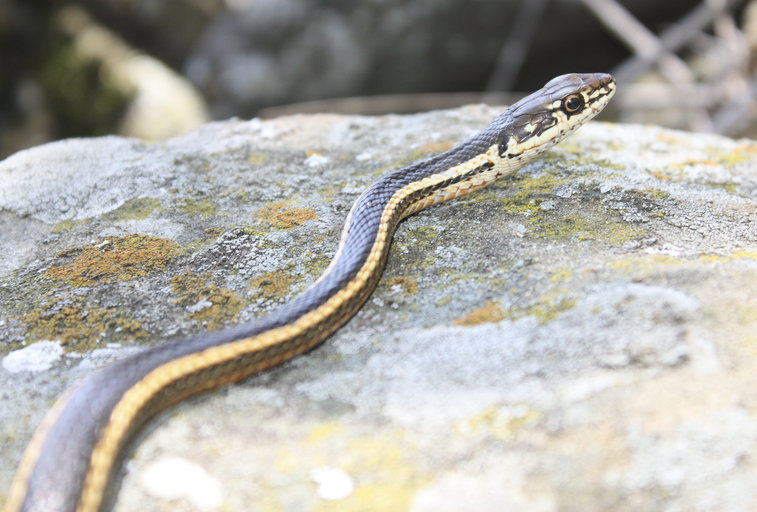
(37, 357)
(333, 483)
(176, 479)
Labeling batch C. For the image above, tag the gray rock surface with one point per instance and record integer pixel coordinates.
(580, 336)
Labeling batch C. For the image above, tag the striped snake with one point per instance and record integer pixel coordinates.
(73, 456)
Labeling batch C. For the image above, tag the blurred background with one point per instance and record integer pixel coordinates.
(157, 68)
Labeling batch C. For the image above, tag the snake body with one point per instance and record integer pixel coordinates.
(71, 459)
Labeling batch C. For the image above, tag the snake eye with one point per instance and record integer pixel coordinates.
(573, 103)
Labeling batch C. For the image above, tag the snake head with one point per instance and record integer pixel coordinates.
(544, 118)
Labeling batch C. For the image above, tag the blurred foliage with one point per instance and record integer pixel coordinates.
(81, 94)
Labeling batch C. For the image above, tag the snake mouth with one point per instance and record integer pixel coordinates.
(599, 101)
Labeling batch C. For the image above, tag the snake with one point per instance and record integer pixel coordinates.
(73, 460)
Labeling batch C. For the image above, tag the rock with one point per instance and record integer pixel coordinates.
(579, 336)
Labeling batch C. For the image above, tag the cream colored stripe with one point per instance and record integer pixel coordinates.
(135, 398)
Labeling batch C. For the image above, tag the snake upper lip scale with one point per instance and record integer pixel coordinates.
(73, 456)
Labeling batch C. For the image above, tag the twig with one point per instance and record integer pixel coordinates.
(675, 37)
(638, 38)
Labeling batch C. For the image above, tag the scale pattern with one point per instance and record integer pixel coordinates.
(71, 459)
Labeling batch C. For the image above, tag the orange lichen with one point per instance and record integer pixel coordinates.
(207, 303)
(488, 313)
(273, 285)
(281, 215)
(79, 326)
(409, 286)
(436, 147)
(113, 259)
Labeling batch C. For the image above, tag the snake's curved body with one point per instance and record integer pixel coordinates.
(73, 455)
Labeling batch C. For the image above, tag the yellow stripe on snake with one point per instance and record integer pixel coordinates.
(73, 456)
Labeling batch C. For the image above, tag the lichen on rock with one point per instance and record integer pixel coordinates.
(576, 333)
